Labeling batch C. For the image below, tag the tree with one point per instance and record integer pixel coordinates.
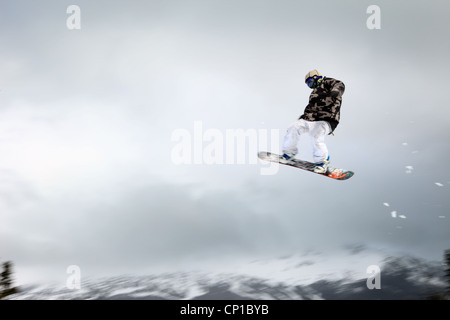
(445, 294)
(6, 280)
(447, 270)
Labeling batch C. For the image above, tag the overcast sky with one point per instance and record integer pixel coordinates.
(87, 119)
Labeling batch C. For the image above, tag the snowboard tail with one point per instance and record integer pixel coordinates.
(333, 173)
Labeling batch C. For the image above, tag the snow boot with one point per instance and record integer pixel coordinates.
(288, 156)
(322, 167)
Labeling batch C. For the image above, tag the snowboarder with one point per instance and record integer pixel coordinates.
(320, 118)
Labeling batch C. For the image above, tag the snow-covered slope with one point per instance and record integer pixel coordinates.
(296, 277)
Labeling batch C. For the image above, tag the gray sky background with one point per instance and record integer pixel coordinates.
(87, 116)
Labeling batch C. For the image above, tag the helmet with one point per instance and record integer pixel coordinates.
(313, 78)
(313, 73)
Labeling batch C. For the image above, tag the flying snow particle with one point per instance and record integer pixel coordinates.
(439, 184)
(394, 214)
(409, 169)
(386, 204)
(402, 216)
(441, 217)
(405, 144)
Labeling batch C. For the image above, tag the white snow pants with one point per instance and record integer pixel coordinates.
(317, 131)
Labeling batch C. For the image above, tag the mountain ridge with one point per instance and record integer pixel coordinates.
(401, 277)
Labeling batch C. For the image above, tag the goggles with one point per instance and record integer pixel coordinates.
(312, 81)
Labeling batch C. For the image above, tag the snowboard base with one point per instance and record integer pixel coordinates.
(332, 172)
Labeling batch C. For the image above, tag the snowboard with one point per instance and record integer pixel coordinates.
(332, 172)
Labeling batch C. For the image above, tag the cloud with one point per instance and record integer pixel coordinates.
(87, 118)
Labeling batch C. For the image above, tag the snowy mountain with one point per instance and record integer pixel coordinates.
(288, 278)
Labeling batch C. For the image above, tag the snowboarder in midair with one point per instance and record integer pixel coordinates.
(320, 118)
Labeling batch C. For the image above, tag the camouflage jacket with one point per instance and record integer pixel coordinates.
(325, 102)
